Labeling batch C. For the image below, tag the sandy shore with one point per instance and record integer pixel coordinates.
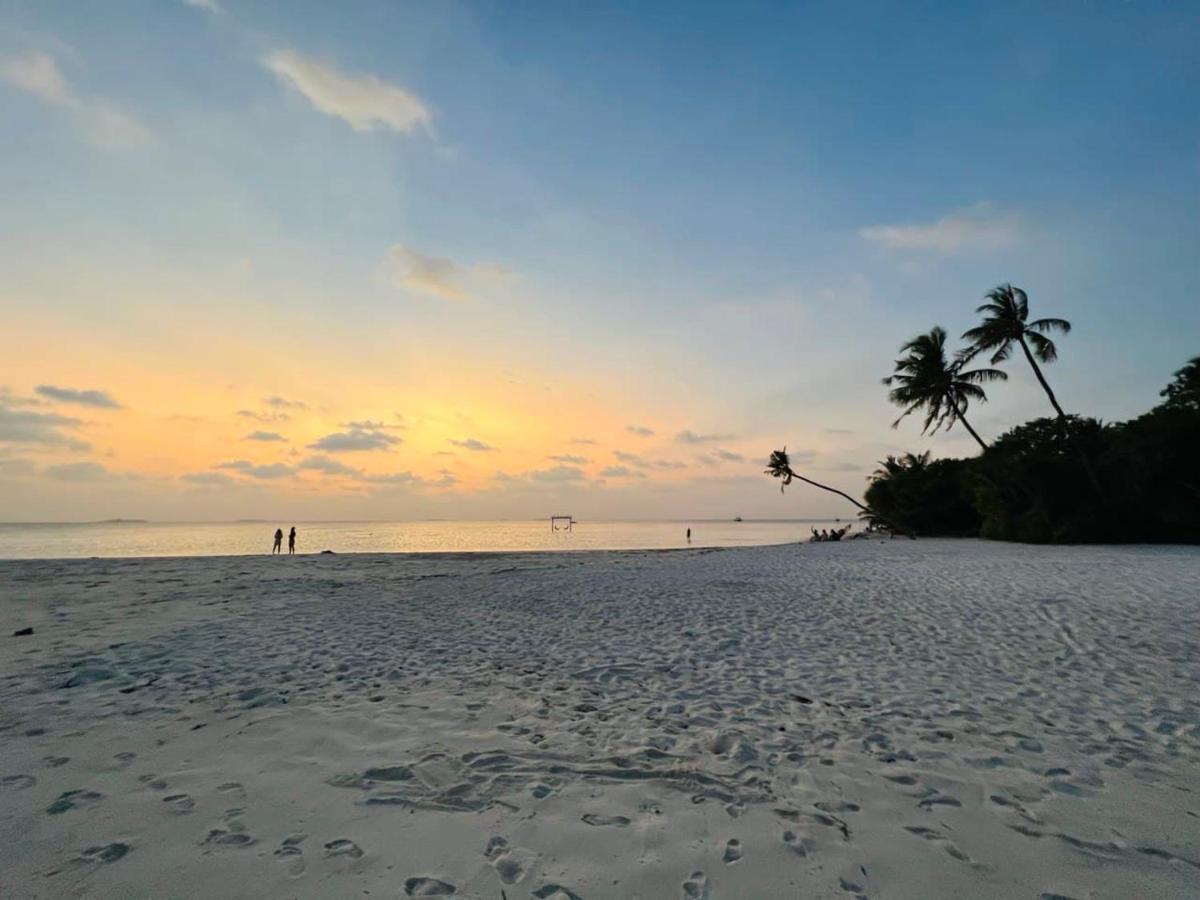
(881, 719)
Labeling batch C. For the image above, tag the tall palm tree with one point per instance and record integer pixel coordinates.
(925, 379)
(779, 466)
(1005, 324)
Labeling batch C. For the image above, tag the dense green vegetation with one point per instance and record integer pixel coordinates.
(1052, 480)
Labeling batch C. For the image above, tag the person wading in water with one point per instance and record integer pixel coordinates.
(278, 541)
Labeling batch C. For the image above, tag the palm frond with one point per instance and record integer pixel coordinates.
(1044, 326)
(1043, 347)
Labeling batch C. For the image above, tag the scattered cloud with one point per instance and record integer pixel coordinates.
(687, 436)
(978, 227)
(277, 402)
(556, 475)
(207, 479)
(631, 458)
(371, 425)
(640, 430)
(265, 417)
(265, 472)
(473, 444)
(327, 466)
(434, 275)
(728, 455)
(78, 472)
(568, 459)
(265, 436)
(582, 441)
(839, 431)
(355, 440)
(24, 426)
(211, 6)
(98, 399)
(365, 102)
(621, 472)
(104, 124)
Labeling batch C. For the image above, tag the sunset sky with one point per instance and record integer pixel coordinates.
(476, 260)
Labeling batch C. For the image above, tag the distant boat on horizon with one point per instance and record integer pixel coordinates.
(737, 518)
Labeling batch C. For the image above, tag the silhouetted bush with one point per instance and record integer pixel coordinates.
(1030, 484)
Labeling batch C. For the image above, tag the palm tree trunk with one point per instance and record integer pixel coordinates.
(865, 509)
(967, 425)
(1042, 381)
(1062, 424)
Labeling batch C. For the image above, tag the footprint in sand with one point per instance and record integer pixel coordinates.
(733, 851)
(124, 759)
(555, 892)
(428, 887)
(222, 838)
(290, 854)
(180, 803)
(109, 853)
(17, 782)
(936, 837)
(54, 762)
(696, 887)
(343, 847)
(512, 864)
(600, 821)
(232, 788)
(801, 846)
(74, 800)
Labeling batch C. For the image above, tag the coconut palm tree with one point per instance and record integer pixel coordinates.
(1005, 325)
(924, 379)
(779, 466)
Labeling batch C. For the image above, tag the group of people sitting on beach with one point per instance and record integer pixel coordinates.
(833, 534)
(278, 548)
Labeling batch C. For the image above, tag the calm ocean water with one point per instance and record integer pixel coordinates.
(109, 539)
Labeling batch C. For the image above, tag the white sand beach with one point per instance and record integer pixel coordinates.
(878, 719)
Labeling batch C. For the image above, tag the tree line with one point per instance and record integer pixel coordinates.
(1063, 478)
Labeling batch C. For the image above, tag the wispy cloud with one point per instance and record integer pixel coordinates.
(355, 440)
(473, 444)
(265, 472)
(556, 475)
(363, 101)
(24, 426)
(569, 459)
(277, 402)
(434, 275)
(728, 455)
(687, 436)
(581, 441)
(619, 472)
(640, 430)
(98, 399)
(211, 6)
(328, 466)
(265, 436)
(978, 227)
(264, 417)
(104, 124)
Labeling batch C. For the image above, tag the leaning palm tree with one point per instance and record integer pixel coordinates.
(779, 466)
(924, 379)
(1005, 325)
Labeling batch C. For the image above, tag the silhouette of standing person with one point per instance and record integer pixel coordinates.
(689, 535)
(278, 541)
(292, 541)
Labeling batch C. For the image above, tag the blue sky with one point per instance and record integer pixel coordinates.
(721, 219)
